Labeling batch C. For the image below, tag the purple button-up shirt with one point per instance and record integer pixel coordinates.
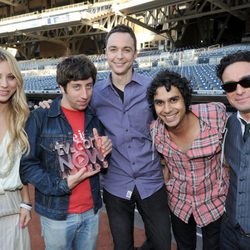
(133, 163)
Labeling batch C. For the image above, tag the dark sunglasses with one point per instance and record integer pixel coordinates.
(231, 86)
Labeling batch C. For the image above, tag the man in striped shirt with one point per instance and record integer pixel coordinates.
(234, 72)
(190, 139)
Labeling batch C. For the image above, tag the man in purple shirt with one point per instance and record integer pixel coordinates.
(134, 177)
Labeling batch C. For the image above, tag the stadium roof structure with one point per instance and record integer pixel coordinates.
(80, 26)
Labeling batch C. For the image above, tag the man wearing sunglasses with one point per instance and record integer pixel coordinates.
(234, 72)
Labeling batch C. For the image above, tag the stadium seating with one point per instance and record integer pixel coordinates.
(40, 75)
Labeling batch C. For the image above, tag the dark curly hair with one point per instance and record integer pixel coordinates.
(121, 28)
(167, 79)
(239, 56)
(74, 68)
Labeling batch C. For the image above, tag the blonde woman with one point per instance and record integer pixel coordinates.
(14, 197)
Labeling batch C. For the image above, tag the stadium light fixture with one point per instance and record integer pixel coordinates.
(182, 7)
(12, 51)
(96, 25)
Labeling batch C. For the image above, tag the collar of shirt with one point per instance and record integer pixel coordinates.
(241, 124)
(135, 78)
(208, 132)
(195, 109)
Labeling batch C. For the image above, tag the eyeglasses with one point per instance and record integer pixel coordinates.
(231, 86)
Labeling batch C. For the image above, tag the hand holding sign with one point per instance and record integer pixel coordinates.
(102, 143)
(81, 175)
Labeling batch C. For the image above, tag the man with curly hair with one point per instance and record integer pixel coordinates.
(190, 139)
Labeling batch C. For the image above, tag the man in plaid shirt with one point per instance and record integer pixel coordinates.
(190, 139)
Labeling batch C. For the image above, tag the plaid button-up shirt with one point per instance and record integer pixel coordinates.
(198, 181)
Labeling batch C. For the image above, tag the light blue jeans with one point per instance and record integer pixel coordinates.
(77, 232)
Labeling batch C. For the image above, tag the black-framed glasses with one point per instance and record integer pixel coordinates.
(231, 86)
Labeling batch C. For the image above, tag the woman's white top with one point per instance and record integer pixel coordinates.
(9, 173)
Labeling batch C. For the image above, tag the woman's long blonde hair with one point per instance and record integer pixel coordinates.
(18, 110)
